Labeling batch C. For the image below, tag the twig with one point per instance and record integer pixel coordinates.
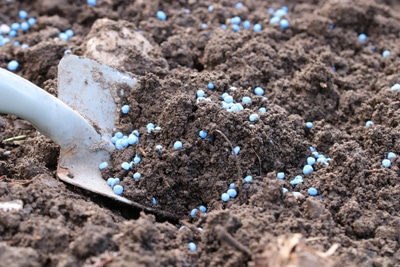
(165, 214)
(229, 239)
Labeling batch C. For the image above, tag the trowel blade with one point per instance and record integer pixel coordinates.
(94, 90)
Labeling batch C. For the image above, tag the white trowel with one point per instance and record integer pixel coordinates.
(81, 120)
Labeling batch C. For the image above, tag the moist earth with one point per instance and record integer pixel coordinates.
(317, 70)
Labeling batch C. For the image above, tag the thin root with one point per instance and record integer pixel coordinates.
(236, 158)
(259, 161)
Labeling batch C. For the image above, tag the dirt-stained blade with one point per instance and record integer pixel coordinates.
(93, 90)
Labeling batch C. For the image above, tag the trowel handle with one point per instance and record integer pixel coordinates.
(48, 114)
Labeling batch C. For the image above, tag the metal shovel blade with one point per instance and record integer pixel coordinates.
(93, 90)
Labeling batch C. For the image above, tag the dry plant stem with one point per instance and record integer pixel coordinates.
(15, 138)
(332, 250)
(22, 183)
(239, 171)
(143, 152)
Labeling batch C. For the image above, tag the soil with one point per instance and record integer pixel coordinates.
(316, 70)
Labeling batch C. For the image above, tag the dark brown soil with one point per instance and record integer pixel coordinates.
(354, 220)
